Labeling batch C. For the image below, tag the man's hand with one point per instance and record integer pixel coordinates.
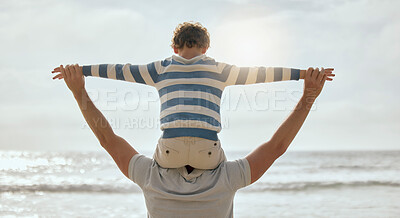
(73, 77)
(59, 75)
(314, 82)
(328, 73)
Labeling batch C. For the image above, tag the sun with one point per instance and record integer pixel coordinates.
(248, 43)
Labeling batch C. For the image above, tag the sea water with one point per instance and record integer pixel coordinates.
(299, 184)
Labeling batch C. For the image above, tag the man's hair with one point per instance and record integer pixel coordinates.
(190, 34)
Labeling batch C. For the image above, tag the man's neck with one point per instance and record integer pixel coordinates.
(189, 168)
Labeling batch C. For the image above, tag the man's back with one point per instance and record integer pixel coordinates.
(202, 193)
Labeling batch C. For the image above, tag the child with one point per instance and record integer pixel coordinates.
(190, 86)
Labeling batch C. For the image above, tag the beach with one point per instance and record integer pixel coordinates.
(305, 184)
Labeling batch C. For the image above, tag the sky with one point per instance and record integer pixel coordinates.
(359, 110)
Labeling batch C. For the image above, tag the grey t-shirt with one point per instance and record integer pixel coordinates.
(202, 193)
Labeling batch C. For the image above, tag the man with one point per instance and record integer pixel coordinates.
(188, 192)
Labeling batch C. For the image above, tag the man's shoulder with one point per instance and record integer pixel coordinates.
(139, 164)
(238, 163)
(232, 166)
(143, 159)
(238, 172)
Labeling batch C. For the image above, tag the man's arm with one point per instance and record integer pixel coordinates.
(265, 155)
(145, 74)
(117, 147)
(251, 75)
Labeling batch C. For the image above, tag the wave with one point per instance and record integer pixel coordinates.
(257, 187)
(356, 167)
(70, 188)
(300, 186)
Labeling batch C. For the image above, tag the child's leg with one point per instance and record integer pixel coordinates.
(171, 153)
(197, 152)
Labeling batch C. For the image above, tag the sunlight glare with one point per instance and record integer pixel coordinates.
(249, 43)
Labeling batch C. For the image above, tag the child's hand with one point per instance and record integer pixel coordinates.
(73, 77)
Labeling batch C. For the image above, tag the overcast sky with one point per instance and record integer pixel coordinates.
(360, 109)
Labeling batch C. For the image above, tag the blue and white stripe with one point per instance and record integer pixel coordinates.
(190, 90)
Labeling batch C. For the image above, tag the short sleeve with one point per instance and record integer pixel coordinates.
(238, 173)
(139, 169)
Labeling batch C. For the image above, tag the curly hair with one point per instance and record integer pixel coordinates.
(190, 34)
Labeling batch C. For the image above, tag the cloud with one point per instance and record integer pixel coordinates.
(358, 38)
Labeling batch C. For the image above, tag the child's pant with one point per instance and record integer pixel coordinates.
(197, 152)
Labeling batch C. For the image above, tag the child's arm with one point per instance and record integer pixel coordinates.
(145, 74)
(250, 75)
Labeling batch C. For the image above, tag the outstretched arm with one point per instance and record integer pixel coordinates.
(145, 74)
(117, 147)
(233, 75)
(265, 155)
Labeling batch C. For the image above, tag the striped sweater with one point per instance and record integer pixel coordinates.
(190, 90)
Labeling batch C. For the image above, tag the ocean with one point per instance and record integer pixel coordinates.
(299, 184)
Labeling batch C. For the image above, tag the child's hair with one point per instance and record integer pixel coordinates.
(190, 34)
